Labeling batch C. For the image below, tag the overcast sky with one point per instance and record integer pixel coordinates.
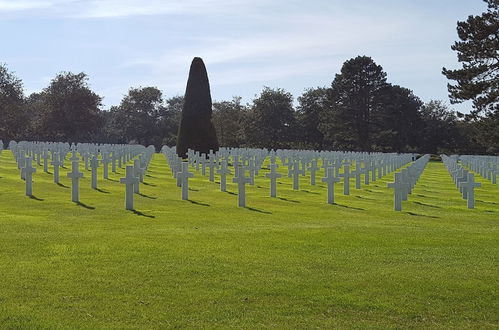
(246, 44)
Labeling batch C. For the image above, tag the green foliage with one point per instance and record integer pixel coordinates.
(477, 50)
(440, 133)
(348, 124)
(69, 109)
(488, 133)
(396, 121)
(312, 103)
(228, 117)
(196, 129)
(13, 118)
(170, 120)
(270, 122)
(136, 118)
(292, 262)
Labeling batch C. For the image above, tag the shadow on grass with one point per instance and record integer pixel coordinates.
(231, 193)
(478, 200)
(113, 180)
(373, 191)
(36, 198)
(366, 198)
(257, 210)
(142, 214)
(198, 203)
(422, 215)
(61, 185)
(311, 192)
(191, 189)
(146, 196)
(102, 191)
(88, 207)
(429, 205)
(149, 184)
(288, 200)
(350, 207)
(150, 176)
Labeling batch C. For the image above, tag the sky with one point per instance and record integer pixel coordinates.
(245, 44)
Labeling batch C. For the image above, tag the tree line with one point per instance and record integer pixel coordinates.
(360, 111)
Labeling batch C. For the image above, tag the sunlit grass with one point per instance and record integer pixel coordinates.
(290, 262)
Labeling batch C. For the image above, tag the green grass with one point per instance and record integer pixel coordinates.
(290, 262)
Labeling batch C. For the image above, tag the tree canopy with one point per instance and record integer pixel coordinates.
(478, 51)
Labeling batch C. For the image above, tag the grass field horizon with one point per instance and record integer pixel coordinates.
(288, 262)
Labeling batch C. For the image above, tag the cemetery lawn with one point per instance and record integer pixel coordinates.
(288, 262)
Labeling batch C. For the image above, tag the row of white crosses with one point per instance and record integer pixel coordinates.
(250, 161)
(405, 180)
(24, 151)
(486, 166)
(464, 180)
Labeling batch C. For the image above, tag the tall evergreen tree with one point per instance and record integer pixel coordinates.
(478, 50)
(196, 129)
(348, 124)
(397, 120)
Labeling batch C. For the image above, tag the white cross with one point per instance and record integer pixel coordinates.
(74, 156)
(28, 174)
(184, 176)
(223, 171)
(494, 174)
(346, 179)
(211, 165)
(470, 186)
(105, 163)
(357, 172)
(273, 176)
(295, 172)
(45, 156)
(130, 181)
(138, 173)
(56, 163)
(94, 165)
(251, 167)
(399, 188)
(313, 169)
(330, 179)
(75, 176)
(241, 181)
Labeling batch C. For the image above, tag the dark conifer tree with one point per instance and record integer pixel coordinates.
(196, 129)
(477, 50)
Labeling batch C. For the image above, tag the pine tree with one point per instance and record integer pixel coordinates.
(478, 50)
(196, 129)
